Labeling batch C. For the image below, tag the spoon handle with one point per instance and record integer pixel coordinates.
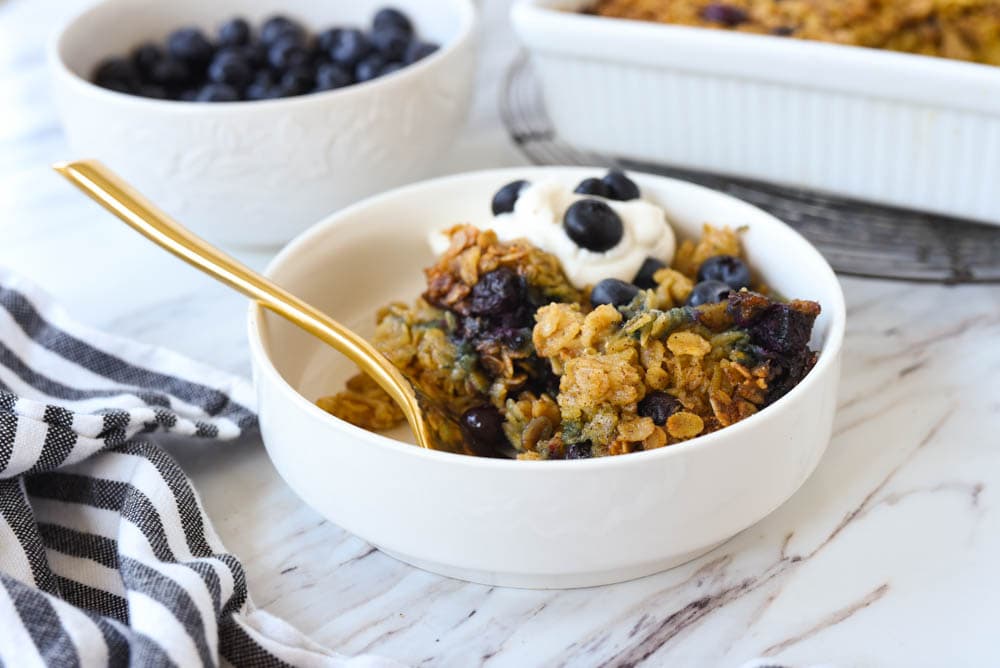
(114, 194)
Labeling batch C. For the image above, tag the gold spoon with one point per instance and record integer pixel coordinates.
(114, 194)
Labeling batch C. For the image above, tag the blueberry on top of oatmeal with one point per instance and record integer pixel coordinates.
(579, 450)
(612, 291)
(593, 225)
(727, 15)
(658, 407)
(619, 186)
(592, 186)
(777, 327)
(727, 269)
(644, 278)
(498, 291)
(482, 428)
(708, 292)
(505, 198)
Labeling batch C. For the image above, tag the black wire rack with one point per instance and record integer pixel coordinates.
(857, 238)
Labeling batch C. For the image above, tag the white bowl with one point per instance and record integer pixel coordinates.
(258, 173)
(546, 524)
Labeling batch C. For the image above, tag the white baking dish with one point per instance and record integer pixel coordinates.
(887, 127)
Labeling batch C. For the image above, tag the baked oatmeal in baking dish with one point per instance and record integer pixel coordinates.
(960, 29)
(573, 325)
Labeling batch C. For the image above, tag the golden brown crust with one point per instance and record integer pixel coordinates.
(570, 380)
(474, 252)
(958, 29)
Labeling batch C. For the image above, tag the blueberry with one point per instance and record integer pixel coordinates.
(727, 269)
(592, 186)
(728, 15)
(234, 32)
(145, 57)
(593, 225)
(216, 92)
(644, 279)
(244, 52)
(505, 198)
(619, 186)
(390, 42)
(170, 72)
(482, 429)
(190, 45)
(349, 47)
(659, 406)
(287, 53)
(120, 87)
(256, 54)
(612, 291)
(330, 76)
(297, 81)
(369, 68)
(782, 329)
(229, 67)
(153, 91)
(263, 78)
(390, 17)
(392, 67)
(261, 91)
(417, 50)
(281, 27)
(498, 291)
(326, 39)
(117, 74)
(708, 292)
(579, 450)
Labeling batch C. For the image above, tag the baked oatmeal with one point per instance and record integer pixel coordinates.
(959, 29)
(518, 359)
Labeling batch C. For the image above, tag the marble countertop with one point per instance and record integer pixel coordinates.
(887, 556)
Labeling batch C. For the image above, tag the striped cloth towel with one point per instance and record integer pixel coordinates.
(106, 554)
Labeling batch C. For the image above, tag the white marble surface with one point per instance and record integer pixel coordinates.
(886, 557)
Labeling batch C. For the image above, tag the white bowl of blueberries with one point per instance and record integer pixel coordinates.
(249, 121)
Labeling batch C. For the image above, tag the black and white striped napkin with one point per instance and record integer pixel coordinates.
(106, 554)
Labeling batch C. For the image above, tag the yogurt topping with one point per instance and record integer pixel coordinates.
(538, 218)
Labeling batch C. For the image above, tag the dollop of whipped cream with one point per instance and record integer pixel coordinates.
(538, 218)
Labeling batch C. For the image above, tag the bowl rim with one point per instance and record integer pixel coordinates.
(828, 361)
(465, 9)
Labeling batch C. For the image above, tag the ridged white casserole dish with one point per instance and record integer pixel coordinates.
(900, 129)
